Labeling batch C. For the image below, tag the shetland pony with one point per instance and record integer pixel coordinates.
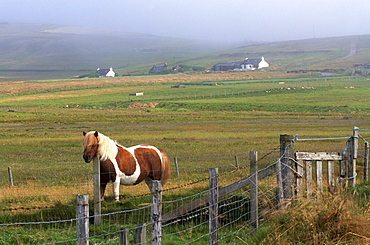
(126, 166)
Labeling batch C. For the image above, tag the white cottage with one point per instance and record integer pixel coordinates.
(106, 72)
(246, 64)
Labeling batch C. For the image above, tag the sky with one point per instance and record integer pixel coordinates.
(217, 20)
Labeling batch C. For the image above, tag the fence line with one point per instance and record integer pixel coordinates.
(238, 212)
(116, 233)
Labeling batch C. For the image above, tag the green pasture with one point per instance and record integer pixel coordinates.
(203, 125)
(43, 129)
(47, 125)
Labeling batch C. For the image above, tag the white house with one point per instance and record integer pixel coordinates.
(106, 72)
(263, 63)
(246, 64)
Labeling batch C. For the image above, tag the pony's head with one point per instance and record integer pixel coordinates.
(91, 145)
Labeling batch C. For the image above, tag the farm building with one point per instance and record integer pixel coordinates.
(106, 72)
(367, 65)
(247, 64)
(156, 69)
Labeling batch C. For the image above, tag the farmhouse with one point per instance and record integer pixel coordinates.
(247, 64)
(156, 69)
(106, 72)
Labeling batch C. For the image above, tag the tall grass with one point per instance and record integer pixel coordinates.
(328, 220)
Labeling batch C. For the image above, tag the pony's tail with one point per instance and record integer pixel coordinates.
(165, 168)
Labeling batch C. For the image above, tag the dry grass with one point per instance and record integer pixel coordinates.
(329, 220)
(14, 197)
(21, 87)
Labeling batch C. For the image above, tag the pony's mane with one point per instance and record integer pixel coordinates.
(107, 147)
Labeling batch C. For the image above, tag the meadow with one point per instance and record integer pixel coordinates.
(42, 121)
(214, 116)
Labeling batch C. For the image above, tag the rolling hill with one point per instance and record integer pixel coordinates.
(335, 53)
(39, 51)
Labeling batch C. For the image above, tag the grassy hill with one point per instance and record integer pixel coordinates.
(36, 51)
(310, 54)
(39, 51)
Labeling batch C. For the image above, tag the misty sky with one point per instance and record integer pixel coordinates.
(222, 20)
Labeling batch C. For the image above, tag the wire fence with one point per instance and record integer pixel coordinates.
(40, 207)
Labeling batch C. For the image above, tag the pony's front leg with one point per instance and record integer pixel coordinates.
(116, 185)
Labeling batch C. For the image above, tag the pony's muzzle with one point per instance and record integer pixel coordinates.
(87, 158)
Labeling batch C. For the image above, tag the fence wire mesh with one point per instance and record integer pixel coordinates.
(41, 206)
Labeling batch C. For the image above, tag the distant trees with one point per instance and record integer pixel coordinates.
(89, 75)
(185, 68)
(181, 69)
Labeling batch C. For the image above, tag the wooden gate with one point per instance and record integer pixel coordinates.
(311, 166)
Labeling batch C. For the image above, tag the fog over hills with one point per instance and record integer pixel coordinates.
(41, 51)
(73, 49)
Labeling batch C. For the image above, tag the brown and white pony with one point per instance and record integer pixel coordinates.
(126, 166)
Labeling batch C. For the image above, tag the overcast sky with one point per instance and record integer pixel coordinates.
(222, 20)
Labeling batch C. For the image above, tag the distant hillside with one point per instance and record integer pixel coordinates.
(338, 53)
(39, 51)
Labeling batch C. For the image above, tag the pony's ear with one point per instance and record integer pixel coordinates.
(96, 134)
(84, 133)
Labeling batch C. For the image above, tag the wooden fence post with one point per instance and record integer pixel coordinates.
(213, 206)
(319, 176)
(299, 181)
(124, 237)
(309, 179)
(82, 217)
(366, 161)
(97, 198)
(254, 190)
(331, 182)
(140, 234)
(279, 182)
(343, 171)
(176, 166)
(236, 162)
(286, 156)
(156, 212)
(10, 176)
(352, 156)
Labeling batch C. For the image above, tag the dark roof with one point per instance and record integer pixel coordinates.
(237, 64)
(102, 72)
(157, 68)
(231, 64)
(252, 61)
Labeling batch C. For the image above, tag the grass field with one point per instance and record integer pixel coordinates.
(45, 119)
(215, 114)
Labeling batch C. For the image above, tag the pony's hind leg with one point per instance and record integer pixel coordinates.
(102, 190)
(149, 183)
(116, 185)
